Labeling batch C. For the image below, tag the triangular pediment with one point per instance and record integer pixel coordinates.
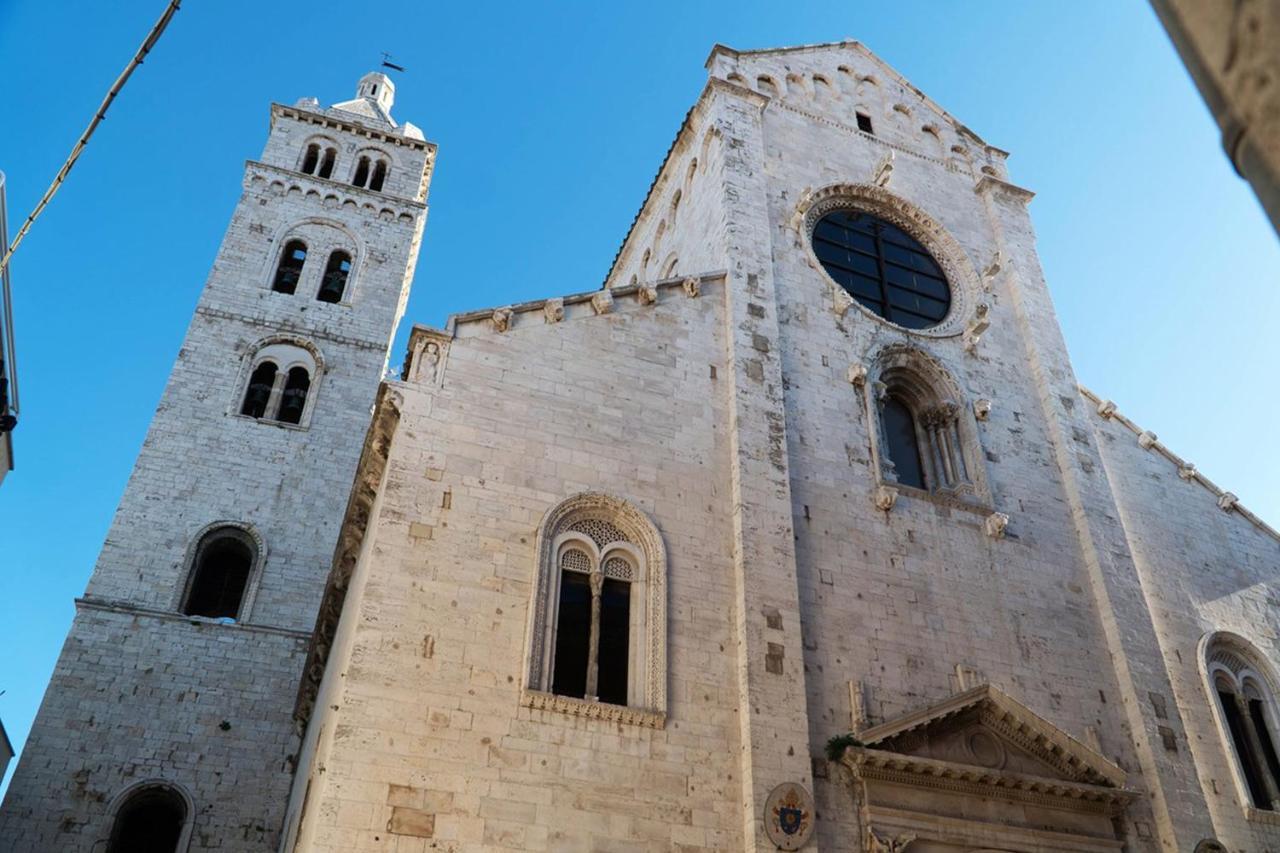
(985, 728)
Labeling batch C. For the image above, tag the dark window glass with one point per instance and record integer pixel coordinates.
(290, 268)
(900, 436)
(615, 641)
(311, 159)
(1259, 717)
(334, 281)
(362, 172)
(882, 267)
(573, 635)
(294, 397)
(1245, 756)
(257, 395)
(149, 822)
(221, 572)
(379, 176)
(864, 123)
(326, 167)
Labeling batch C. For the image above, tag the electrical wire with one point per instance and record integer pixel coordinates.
(147, 44)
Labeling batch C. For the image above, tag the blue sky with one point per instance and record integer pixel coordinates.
(1165, 273)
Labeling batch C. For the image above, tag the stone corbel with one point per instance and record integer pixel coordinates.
(1187, 471)
(602, 301)
(841, 301)
(884, 170)
(885, 497)
(647, 294)
(553, 310)
(877, 843)
(1227, 502)
(981, 409)
(994, 525)
(501, 319)
(857, 375)
(1147, 439)
(692, 287)
(977, 326)
(1107, 409)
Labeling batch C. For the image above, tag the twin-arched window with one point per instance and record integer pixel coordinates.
(319, 160)
(293, 259)
(371, 171)
(1246, 707)
(279, 384)
(598, 624)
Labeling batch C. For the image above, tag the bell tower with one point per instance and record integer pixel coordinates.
(169, 710)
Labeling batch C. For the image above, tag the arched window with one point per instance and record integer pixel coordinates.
(311, 159)
(923, 437)
(289, 270)
(361, 177)
(901, 442)
(1246, 709)
(334, 283)
(154, 818)
(281, 381)
(326, 165)
(294, 398)
(219, 574)
(379, 176)
(598, 625)
(257, 396)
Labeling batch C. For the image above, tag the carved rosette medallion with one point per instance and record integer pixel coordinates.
(789, 816)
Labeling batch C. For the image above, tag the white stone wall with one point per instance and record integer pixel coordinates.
(1203, 570)
(140, 691)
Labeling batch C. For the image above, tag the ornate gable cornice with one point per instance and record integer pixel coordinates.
(1012, 721)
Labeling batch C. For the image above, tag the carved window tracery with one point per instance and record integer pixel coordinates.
(597, 633)
(1246, 710)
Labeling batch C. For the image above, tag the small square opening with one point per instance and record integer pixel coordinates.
(864, 123)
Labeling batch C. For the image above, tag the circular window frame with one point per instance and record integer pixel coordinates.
(946, 251)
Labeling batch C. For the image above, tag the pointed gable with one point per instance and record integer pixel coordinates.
(986, 728)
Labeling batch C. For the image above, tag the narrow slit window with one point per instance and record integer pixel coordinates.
(326, 166)
(311, 159)
(258, 394)
(615, 639)
(379, 176)
(290, 268)
(361, 176)
(220, 576)
(334, 283)
(864, 123)
(294, 397)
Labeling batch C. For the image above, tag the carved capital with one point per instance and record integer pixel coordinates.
(1227, 502)
(1147, 439)
(994, 525)
(602, 301)
(692, 286)
(1107, 409)
(553, 310)
(885, 497)
(982, 409)
(858, 375)
(501, 319)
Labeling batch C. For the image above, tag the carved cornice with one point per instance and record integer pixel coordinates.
(93, 602)
(990, 183)
(343, 193)
(882, 765)
(282, 328)
(355, 524)
(322, 120)
(541, 701)
(1225, 500)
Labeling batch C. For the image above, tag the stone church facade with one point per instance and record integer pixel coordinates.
(800, 533)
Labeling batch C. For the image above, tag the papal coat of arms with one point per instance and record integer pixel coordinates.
(788, 816)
